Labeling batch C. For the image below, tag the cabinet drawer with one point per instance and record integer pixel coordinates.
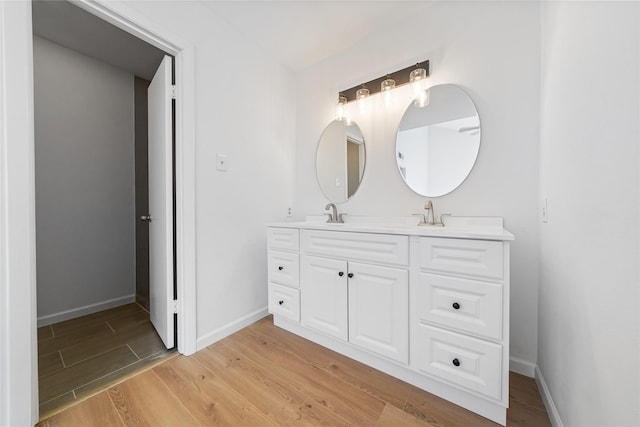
(481, 258)
(463, 304)
(284, 301)
(384, 248)
(282, 238)
(284, 267)
(458, 359)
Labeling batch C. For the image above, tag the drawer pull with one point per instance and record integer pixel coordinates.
(281, 302)
(455, 362)
(280, 268)
(456, 306)
(350, 275)
(341, 273)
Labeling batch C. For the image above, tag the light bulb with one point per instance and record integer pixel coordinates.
(340, 114)
(418, 80)
(385, 88)
(387, 85)
(422, 99)
(361, 95)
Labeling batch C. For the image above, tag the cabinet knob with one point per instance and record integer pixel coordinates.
(456, 305)
(280, 268)
(341, 273)
(350, 275)
(455, 362)
(281, 302)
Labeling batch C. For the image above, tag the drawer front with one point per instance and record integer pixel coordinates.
(282, 238)
(384, 248)
(462, 304)
(481, 258)
(284, 301)
(284, 267)
(458, 359)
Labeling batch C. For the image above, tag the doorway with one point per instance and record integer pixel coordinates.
(85, 217)
(19, 403)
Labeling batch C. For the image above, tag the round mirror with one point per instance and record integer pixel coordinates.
(437, 144)
(340, 160)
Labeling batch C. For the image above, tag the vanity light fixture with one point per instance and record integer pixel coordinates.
(362, 93)
(418, 80)
(421, 99)
(385, 88)
(387, 84)
(384, 84)
(340, 113)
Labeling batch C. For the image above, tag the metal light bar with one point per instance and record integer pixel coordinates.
(401, 77)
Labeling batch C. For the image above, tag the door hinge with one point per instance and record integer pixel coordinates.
(175, 306)
(173, 91)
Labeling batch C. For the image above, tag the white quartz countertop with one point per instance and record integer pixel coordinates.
(481, 228)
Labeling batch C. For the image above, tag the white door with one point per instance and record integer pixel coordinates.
(161, 203)
(323, 293)
(379, 309)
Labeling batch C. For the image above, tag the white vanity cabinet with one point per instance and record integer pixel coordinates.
(427, 305)
(360, 302)
(459, 319)
(283, 266)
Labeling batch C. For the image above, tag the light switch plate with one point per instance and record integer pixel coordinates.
(221, 162)
(545, 211)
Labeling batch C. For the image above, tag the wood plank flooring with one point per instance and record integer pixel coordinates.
(265, 376)
(80, 356)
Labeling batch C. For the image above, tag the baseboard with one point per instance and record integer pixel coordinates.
(522, 367)
(230, 328)
(552, 409)
(82, 311)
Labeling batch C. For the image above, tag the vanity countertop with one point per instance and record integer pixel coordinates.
(481, 228)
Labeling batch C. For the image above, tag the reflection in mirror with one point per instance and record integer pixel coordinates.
(437, 145)
(340, 160)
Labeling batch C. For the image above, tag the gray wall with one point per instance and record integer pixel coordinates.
(84, 153)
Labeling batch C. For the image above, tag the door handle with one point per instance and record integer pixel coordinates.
(146, 218)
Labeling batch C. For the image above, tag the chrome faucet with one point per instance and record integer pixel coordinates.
(334, 218)
(430, 217)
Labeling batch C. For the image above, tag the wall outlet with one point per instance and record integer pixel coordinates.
(221, 162)
(545, 211)
(289, 212)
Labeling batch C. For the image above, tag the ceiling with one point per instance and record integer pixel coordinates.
(297, 33)
(67, 25)
(301, 33)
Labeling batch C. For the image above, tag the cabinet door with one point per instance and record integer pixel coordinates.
(379, 310)
(323, 292)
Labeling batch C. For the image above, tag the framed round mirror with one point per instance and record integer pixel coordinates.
(437, 144)
(340, 160)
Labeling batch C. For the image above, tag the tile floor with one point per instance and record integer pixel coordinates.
(81, 356)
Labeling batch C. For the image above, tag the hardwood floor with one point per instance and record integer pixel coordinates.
(265, 376)
(80, 356)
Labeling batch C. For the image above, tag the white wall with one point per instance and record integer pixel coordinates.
(245, 108)
(589, 348)
(489, 49)
(84, 154)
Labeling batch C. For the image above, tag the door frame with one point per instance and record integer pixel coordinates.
(18, 325)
